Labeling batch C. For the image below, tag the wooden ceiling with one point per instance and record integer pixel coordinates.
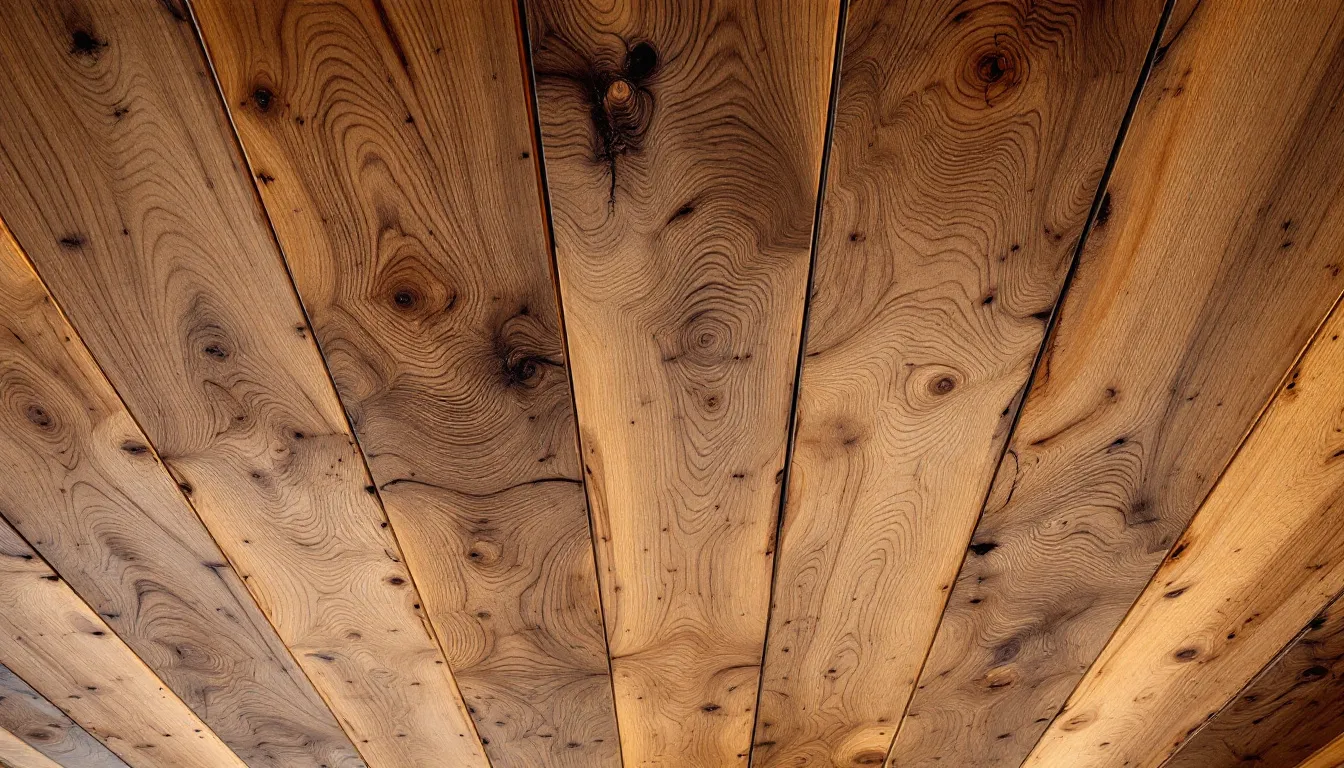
(671, 383)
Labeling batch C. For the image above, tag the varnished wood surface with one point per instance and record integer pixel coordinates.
(45, 728)
(969, 142)
(1263, 557)
(90, 494)
(1208, 268)
(15, 753)
(1294, 708)
(683, 149)
(394, 148)
(55, 642)
(1330, 756)
(120, 178)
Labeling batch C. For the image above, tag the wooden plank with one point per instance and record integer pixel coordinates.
(38, 723)
(120, 178)
(86, 489)
(434, 301)
(1211, 263)
(683, 151)
(15, 753)
(1330, 756)
(1264, 555)
(969, 140)
(1294, 708)
(56, 642)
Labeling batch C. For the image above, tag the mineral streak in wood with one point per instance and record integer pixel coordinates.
(38, 723)
(969, 142)
(683, 150)
(86, 489)
(1209, 267)
(120, 177)
(1294, 708)
(53, 640)
(1264, 555)
(394, 146)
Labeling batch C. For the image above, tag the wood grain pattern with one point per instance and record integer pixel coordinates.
(1264, 555)
(53, 640)
(1330, 756)
(969, 142)
(683, 149)
(15, 753)
(410, 123)
(42, 726)
(86, 489)
(1294, 708)
(1208, 269)
(120, 178)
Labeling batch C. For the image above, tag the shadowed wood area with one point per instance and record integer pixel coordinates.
(1208, 268)
(120, 179)
(54, 641)
(1330, 756)
(1294, 708)
(394, 149)
(45, 728)
(1263, 556)
(91, 496)
(14, 753)
(683, 151)
(969, 142)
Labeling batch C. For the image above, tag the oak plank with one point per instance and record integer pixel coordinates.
(84, 486)
(969, 142)
(683, 148)
(1330, 756)
(410, 123)
(1294, 708)
(1264, 556)
(121, 179)
(15, 753)
(1211, 264)
(64, 650)
(42, 726)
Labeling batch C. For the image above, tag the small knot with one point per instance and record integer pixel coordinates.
(618, 94)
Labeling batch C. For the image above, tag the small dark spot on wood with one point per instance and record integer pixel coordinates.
(264, 177)
(38, 416)
(405, 298)
(72, 242)
(943, 386)
(984, 548)
(84, 43)
(216, 351)
(681, 213)
(1175, 593)
(134, 448)
(1314, 673)
(710, 708)
(396, 581)
(640, 61)
(185, 488)
(1104, 211)
(263, 97)
(1186, 654)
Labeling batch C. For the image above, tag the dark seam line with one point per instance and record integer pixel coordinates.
(832, 107)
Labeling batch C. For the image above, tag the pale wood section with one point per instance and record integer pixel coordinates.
(15, 753)
(683, 149)
(120, 177)
(1263, 556)
(1290, 710)
(36, 721)
(410, 124)
(1330, 756)
(1213, 259)
(969, 142)
(54, 641)
(85, 488)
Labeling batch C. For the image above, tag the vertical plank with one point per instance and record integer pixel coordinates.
(1294, 708)
(683, 150)
(39, 724)
(53, 640)
(969, 140)
(15, 753)
(120, 177)
(410, 123)
(85, 488)
(1211, 263)
(1263, 556)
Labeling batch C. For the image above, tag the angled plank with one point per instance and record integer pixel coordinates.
(120, 178)
(1330, 756)
(683, 151)
(434, 302)
(1294, 708)
(45, 728)
(1209, 267)
(87, 491)
(15, 753)
(63, 649)
(969, 140)
(1264, 556)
